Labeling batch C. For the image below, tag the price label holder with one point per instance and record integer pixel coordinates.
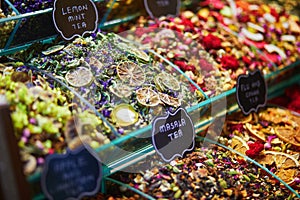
(72, 175)
(173, 134)
(75, 18)
(251, 92)
(158, 8)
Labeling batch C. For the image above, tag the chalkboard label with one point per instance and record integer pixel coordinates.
(75, 18)
(158, 8)
(72, 175)
(173, 134)
(251, 92)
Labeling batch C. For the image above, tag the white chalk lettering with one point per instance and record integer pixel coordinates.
(175, 135)
(252, 93)
(78, 17)
(163, 3)
(74, 9)
(64, 165)
(245, 87)
(79, 25)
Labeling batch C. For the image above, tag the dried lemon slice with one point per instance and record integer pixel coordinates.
(166, 81)
(95, 62)
(124, 115)
(121, 90)
(288, 134)
(53, 49)
(158, 82)
(287, 167)
(81, 76)
(167, 99)
(140, 54)
(131, 73)
(254, 130)
(239, 145)
(147, 97)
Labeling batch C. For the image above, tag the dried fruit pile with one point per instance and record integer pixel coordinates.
(201, 47)
(271, 137)
(271, 29)
(213, 45)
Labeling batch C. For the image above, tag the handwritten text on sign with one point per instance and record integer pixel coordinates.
(173, 135)
(251, 92)
(73, 175)
(75, 18)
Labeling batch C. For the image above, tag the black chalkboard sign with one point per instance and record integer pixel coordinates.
(251, 92)
(158, 8)
(173, 134)
(75, 18)
(72, 175)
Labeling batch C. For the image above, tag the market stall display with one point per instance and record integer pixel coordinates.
(104, 90)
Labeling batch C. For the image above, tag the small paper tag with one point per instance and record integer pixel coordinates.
(173, 135)
(72, 175)
(75, 18)
(251, 92)
(158, 8)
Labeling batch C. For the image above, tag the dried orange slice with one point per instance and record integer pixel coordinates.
(124, 115)
(147, 97)
(167, 99)
(121, 90)
(131, 73)
(166, 81)
(255, 130)
(238, 117)
(239, 145)
(275, 115)
(287, 167)
(288, 134)
(79, 77)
